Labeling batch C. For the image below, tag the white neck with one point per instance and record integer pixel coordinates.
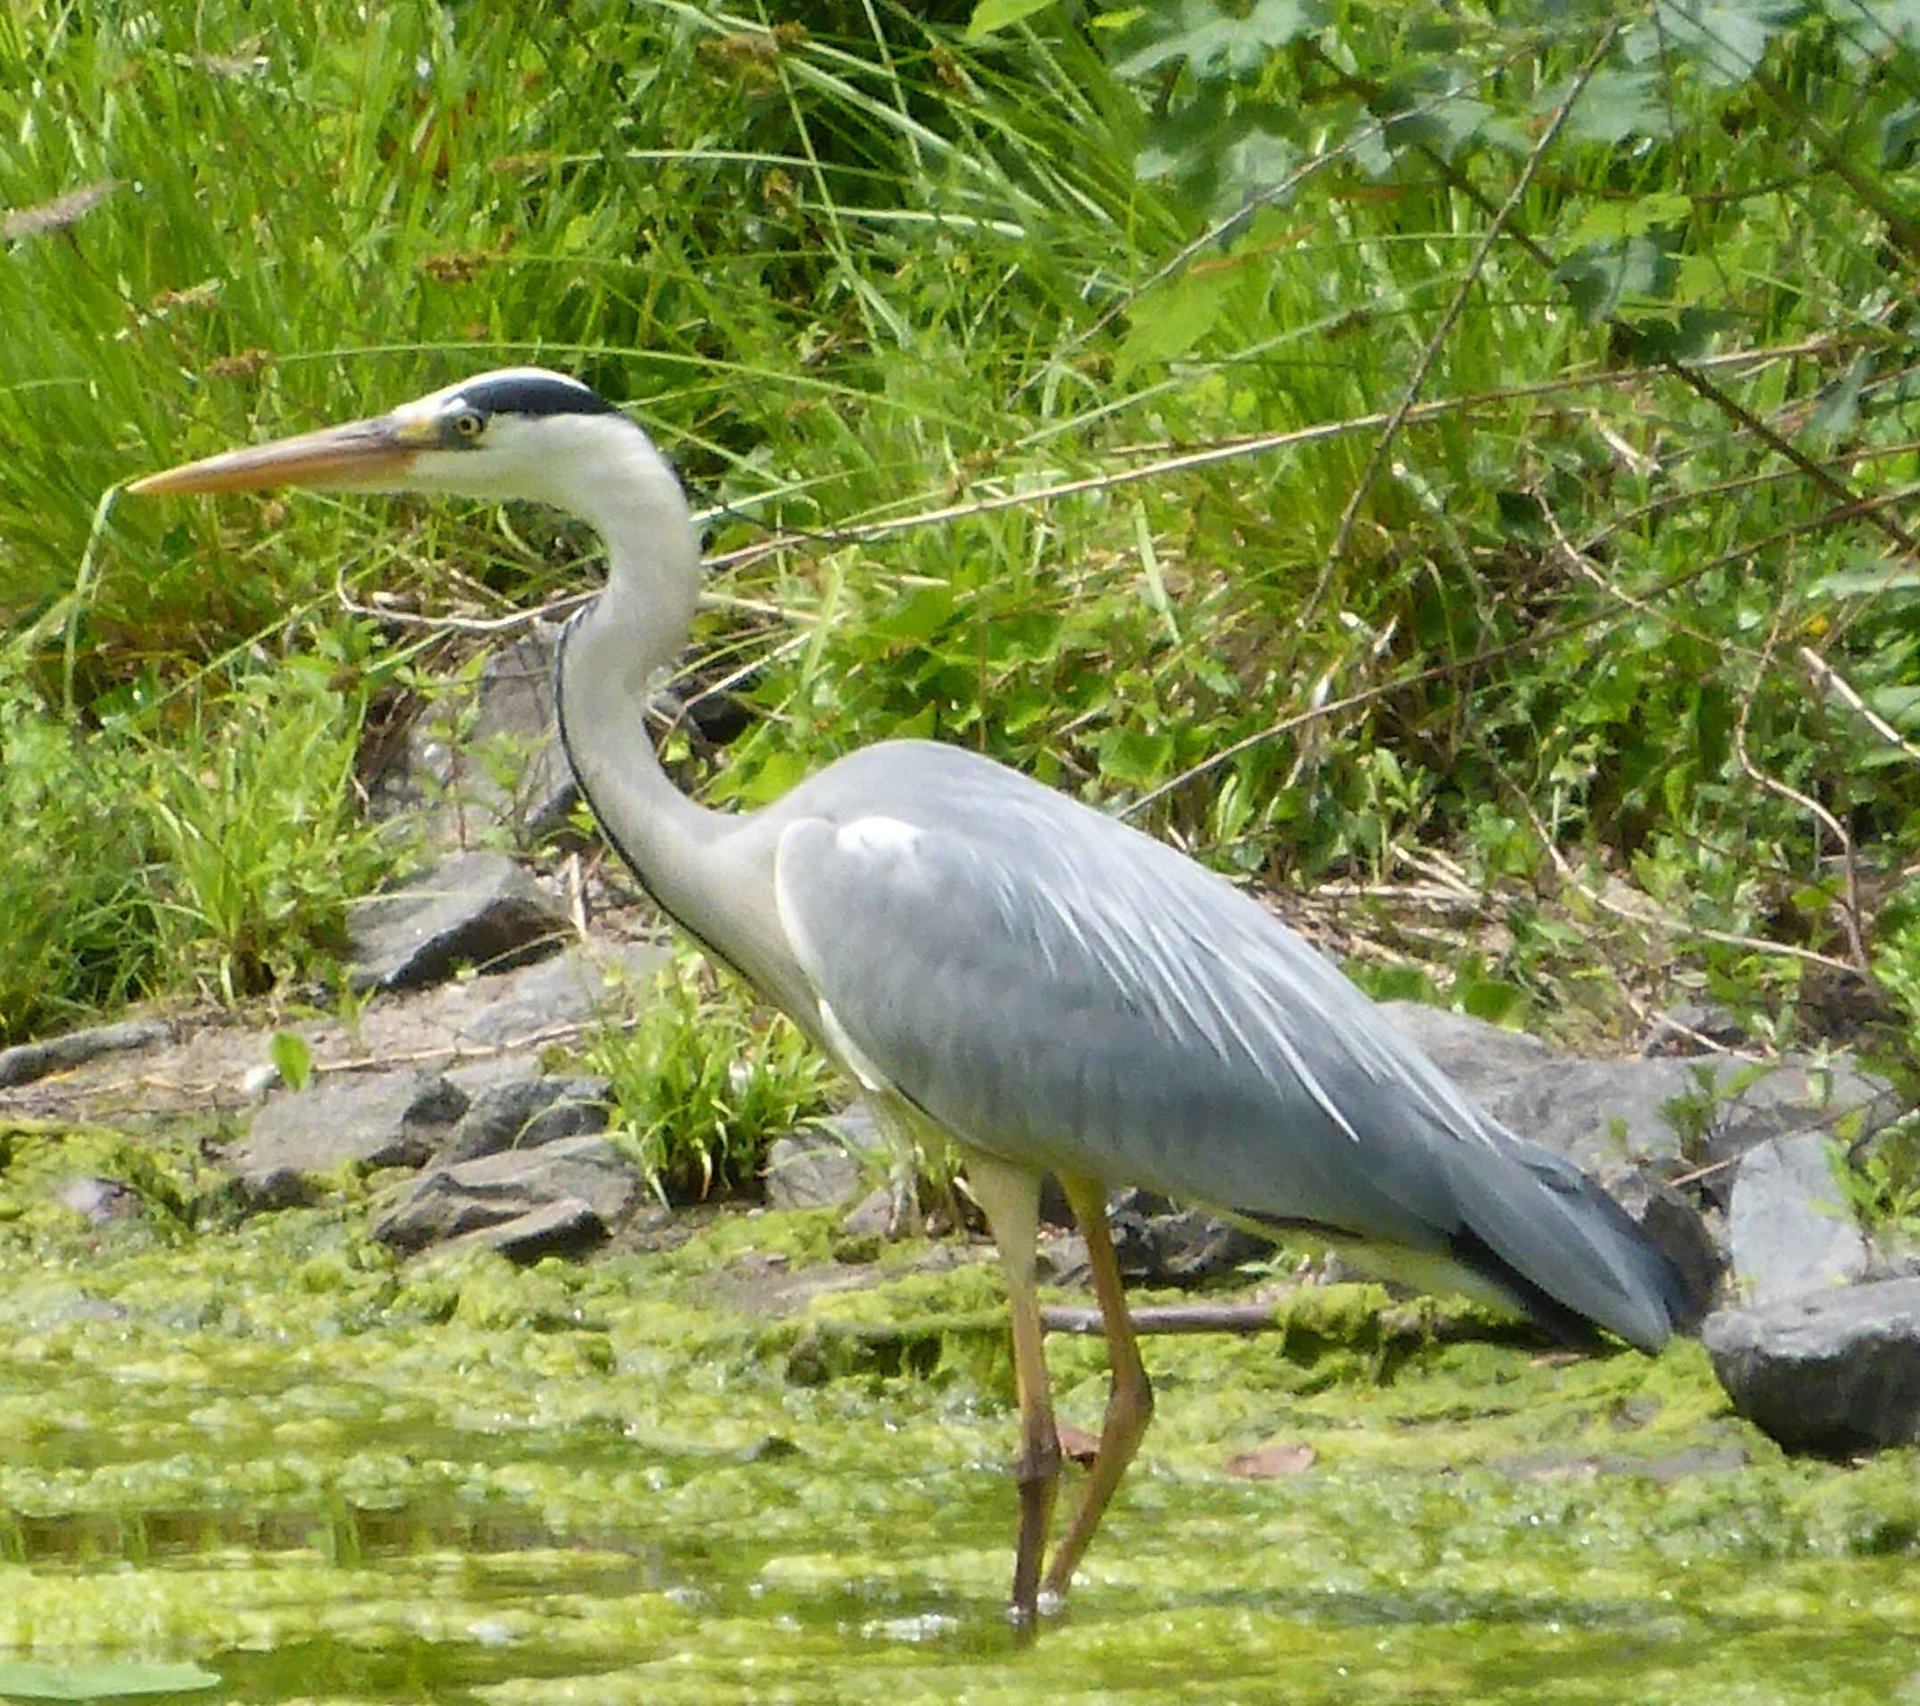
(612, 651)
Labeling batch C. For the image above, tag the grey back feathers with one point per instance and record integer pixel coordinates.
(1058, 989)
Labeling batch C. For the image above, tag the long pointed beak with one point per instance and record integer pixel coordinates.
(365, 455)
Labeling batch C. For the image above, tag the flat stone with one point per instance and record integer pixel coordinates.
(1685, 1235)
(25, 1062)
(808, 1169)
(512, 1010)
(478, 909)
(567, 1227)
(1690, 1027)
(872, 1216)
(99, 1200)
(1788, 1224)
(1718, 1459)
(1062, 1260)
(1828, 1371)
(524, 1113)
(377, 1119)
(491, 1191)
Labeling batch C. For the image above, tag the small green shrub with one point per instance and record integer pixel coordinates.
(703, 1080)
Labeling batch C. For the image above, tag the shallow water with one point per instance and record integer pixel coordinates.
(267, 1451)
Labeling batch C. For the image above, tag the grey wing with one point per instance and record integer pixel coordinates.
(1052, 987)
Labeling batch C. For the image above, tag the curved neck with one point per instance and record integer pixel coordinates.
(609, 656)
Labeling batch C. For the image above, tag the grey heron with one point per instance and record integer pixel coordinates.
(1007, 969)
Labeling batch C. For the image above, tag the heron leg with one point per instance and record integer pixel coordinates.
(1010, 1198)
(1129, 1398)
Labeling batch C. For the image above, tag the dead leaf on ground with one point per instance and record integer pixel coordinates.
(1272, 1462)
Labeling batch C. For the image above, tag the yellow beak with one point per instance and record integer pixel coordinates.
(368, 455)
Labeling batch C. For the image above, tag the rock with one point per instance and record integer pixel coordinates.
(808, 1169)
(872, 1216)
(25, 1062)
(567, 1227)
(474, 909)
(1689, 1027)
(1710, 1459)
(519, 1007)
(524, 1113)
(479, 1200)
(1788, 1224)
(1687, 1238)
(1158, 1245)
(381, 1119)
(1482, 1058)
(99, 1200)
(1062, 1260)
(486, 758)
(1829, 1371)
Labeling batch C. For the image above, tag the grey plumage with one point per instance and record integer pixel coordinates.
(1060, 990)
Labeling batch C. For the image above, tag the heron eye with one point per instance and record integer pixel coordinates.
(469, 424)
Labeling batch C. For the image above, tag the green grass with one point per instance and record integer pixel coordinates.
(866, 268)
(704, 1082)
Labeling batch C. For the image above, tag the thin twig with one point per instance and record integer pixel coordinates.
(1825, 675)
(462, 1051)
(1165, 1318)
(1679, 926)
(1584, 566)
(1851, 911)
(1227, 450)
(1376, 459)
(1693, 374)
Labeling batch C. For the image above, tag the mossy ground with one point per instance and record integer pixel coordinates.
(267, 1449)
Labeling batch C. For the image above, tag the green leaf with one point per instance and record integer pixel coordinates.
(1839, 409)
(1635, 218)
(918, 617)
(1135, 759)
(1169, 321)
(1218, 41)
(991, 15)
(292, 1058)
(1614, 106)
(21, 1680)
(1603, 277)
(1865, 577)
(1726, 39)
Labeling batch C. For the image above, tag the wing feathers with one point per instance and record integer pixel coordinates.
(1058, 990)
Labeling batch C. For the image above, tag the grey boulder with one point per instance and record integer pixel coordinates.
(575, 1189)
(809, 1169)
(525, 1113)
(477, 909)
(1829, 1371)
(382, 1119)
(1789, 1225)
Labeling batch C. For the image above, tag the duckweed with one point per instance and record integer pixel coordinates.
(266, 1449)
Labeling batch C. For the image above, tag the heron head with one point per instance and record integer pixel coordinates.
(499, 435)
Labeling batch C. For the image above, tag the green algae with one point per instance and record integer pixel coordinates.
(267, 1449)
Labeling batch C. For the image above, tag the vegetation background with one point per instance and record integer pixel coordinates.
(1451, 463)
